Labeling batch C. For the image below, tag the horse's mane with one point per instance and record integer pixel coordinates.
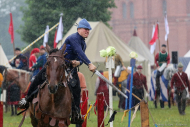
(53, 51)
(167, 71)
(19, 70)
(2, 68)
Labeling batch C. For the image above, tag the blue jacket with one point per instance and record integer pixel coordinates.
(75, 47)
(22, 62)
(39, 64)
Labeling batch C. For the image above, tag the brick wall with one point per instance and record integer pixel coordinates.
(146, 13)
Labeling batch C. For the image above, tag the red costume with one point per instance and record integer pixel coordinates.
(157, 59)
(139, 80)
(33, 59)
(177, 81)
(101, 86)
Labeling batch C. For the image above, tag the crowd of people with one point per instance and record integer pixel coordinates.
(75, 46)
(179, 84)
(36, 62)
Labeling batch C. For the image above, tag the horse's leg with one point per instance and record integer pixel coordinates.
(34, 121)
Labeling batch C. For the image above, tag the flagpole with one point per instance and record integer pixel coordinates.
(14, 47)
(168, 46)
(158, 37)
(36, 40)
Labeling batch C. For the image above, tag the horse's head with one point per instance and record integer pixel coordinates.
(55, 69)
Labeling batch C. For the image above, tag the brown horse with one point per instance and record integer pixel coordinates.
(19, 77)
(53, 102)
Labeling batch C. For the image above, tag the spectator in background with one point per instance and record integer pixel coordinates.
(180, 81)
(121, 84)
(139, 83)
(118, 62)
(40, 61)
(1, 82)
(33, 57)
(13, 91)
(102, 86)
(20, 62)
(82, 81)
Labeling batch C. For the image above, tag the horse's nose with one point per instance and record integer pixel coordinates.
(53, 88)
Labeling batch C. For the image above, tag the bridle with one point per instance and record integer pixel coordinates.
(60, 83)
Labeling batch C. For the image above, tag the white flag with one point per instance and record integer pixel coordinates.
(46, 36)
(153, 47)
(59, 31)
(166, 28)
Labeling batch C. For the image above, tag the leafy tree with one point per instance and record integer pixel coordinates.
(40, 13)
(13, 6)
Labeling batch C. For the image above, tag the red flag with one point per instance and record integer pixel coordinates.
(155, 37)
(11, 30)
(55, 43)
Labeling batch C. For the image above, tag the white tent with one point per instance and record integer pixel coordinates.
(188, 70)
(137, 44)
(101, 37)
(187, 54)
(3, 59)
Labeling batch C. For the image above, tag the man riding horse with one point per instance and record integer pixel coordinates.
(161, 59)
(75, 47)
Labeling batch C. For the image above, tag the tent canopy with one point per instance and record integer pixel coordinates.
(188, 70)
(101, 37)
(3, 59)
(137, 44)
(187, 54)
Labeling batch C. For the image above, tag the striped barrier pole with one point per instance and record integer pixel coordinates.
(132, 63)
(100, 107)
(84, 109)
(1, 114)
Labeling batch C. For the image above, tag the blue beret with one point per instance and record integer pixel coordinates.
(84, 24)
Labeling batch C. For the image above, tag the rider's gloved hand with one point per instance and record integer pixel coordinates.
(92, 67)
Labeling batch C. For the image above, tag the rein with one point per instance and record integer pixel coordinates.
(62, 57)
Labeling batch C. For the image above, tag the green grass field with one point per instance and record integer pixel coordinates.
(163, 117)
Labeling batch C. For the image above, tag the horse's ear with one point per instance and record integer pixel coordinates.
(63, 48)
(48, 48)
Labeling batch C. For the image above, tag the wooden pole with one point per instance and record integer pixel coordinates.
(168, 46)
(14, 48)
(144, 114)
(134, 95)
(36, 40)
(158, 37)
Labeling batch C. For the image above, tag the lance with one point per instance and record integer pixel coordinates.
(107, 81)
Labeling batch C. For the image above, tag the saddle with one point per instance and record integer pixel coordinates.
(48, 118)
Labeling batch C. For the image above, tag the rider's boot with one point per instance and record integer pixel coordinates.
(76, 118)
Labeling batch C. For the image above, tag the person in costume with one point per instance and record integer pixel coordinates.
(161, 58)
(180, 81)
(75, 46)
